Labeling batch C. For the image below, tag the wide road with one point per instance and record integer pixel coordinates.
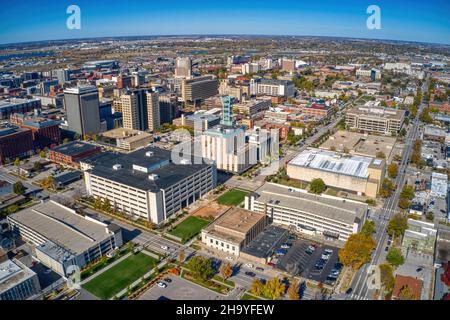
(359, 283)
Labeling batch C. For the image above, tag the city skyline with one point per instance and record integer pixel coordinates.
(418, 23)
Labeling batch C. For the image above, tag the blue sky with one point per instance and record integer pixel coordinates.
(413, 20)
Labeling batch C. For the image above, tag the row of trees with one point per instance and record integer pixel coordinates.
(416, 155)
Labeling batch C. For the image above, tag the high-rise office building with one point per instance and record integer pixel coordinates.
(82, 107)
(153, 111)
(140, 110)
(63, 75)
(196, 90)
(168, 109)
(183, 67)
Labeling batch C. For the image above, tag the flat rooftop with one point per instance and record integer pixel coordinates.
(138, 165)
(378, 112)
(238, 220)
(13, 273)
(62, 226)
(334, 162)
(265, 242)
(74, 148)
(126, 134)
(330, 207)
(359, 143)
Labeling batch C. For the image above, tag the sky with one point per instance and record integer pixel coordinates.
(410, 20)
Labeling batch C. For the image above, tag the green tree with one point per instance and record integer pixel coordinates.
(201, 268)
(17, 162)
(397, 225)
(106, 205)
(274, 289)
(317, 186)
(368, 228)
(395, 257)
(12, 209)
(42, 154)
(66, 140)
(392, 170)
(387, 188)
(18, 188)
(37, 166)
(425, 116)
(407, 192)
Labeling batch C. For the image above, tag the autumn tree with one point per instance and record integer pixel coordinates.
(387, 276)
(406, 294)
(397, 225)
(226, 270)
(181, 255)
(393, 170)
(274, 289)
(381, 155)
(294, 291)
(357, 250)
(257, 287)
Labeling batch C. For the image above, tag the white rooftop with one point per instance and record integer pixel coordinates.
(334, 162)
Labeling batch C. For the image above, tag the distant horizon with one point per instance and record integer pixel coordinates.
(409, 21)
(222, 35)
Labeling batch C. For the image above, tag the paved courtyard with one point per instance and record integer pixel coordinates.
(180, 289)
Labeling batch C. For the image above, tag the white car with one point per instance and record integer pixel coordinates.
(249, 265)
(229, 258)
(162, 285)
(165, 247)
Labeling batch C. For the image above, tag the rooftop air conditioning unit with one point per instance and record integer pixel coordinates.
(153, 177)
(149, 154)
(185, 161)
(117, 167)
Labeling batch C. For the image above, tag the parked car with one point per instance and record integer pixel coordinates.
(281, 252)
(250, 274)
(259, 269)
(162, 285)
(168, 280)
(249, 265)
(229, 258)
(349, 291)
(328, 251)
(286, 245)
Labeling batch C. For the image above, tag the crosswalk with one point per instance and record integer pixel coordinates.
(354, 296)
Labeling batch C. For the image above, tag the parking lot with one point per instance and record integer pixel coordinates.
(180, 289)
(308, 259)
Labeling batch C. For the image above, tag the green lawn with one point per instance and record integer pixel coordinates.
(119, 277)
(189, 228)
(233, 197)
